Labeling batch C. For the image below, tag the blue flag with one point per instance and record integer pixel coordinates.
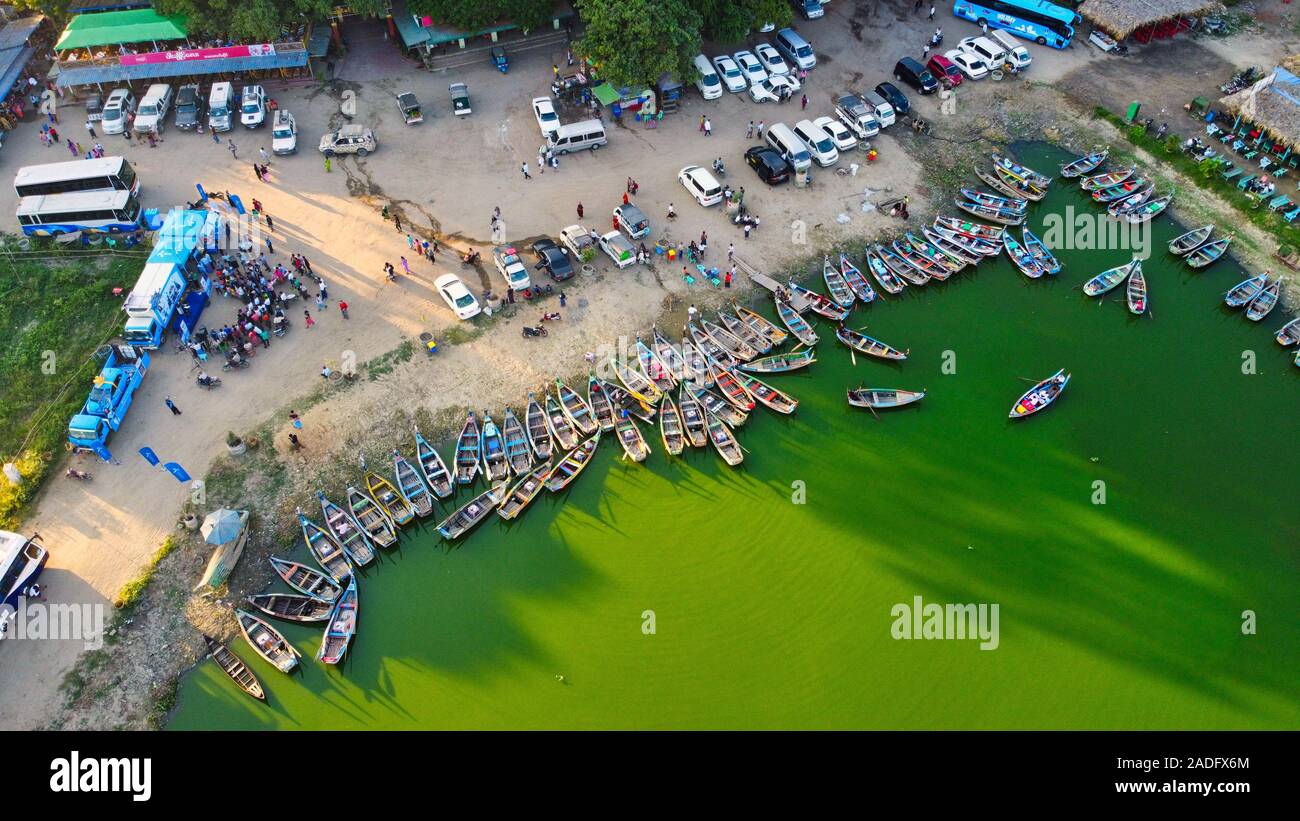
(176, 470)
(149, 456)
(237, 204)
(203, 195)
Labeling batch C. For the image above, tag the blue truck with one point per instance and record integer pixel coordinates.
(167, 296)
(109, 400)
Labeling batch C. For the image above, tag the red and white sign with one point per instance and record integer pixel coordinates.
(198, 54)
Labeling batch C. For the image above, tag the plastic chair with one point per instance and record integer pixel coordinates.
(1250, 155)
(1290, 216)
(1245, 181)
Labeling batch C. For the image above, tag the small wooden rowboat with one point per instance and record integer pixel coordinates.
(859, 284)
(978, 246)
(820, 304)
(864, 344)
(1099, 181)
(1245, 291)
(670, 427)
(1149, 210)
(1137, 292)
(999, 215)
(953, 245)
(1127, 205)
(1120, 191)
(434, 470)
(693, 421)
(1044, 257)
(732, 389)
(1040, 395)
(292, 607)
(635, 381)
(1019, 187)
(697, 364)
(578, 411)
(268, 642)
(327, 552)
(540, 438)
(796, 323)
(652, 368)
(836, 285)
(771, 398)
(524, 491)
(602, 407)
(1012, 204)
(923, 265)
(633, 403)
(472, 512)
(518, 455)
(724, 441)
(1208, 252)
(713, 352)
(760, 324)
(568, 468)
(566, 435)
(372, 518)
(306, 580)
(1009, 187)
(341, 628)
(398, 509)
(1288, 334)
(411, 486)
(1264, 303)
(977, 230)
(900, 266)
(1021, 258)
(630, 438)
(468, 447)
(1193, 239)
(755, 340)
(721, 408)
(1111, 278)
(739, 349)
(495, 466)
(1021, 172)
(949, 261)
(1084, 164)
(781, 362)
(233, 667)
(877, 398)
(891, 282)
(355, 541)
(669, 355)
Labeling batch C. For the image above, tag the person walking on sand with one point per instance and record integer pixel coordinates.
(90, 128)
(708, 127)
(523, 169)
(397, 222)
(803, 104)
(749, 132)
(931, 12)
(406, 266)
(171, 406)
(343, 308)
(265, 156)
(702, 119)
(270, 223)
(234, 150)
(691, 313)
(306, 315)
(731, 252)
(579, 210)
(758, 131)
(563, 299)
(327, 165)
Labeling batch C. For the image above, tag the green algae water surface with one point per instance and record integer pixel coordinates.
(1123, 533)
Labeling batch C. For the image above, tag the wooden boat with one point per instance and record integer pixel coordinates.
(539, 433)
(1040, 396)
(871, 347)
(1084, 164)
(981, 247)
(1111, 278)
(306, 580)
(1245, 291)
(1018, 187)
(568, 468)
(669, 355)
(724, 441)
(693, 422)
(760, 324)
(327, 552)
(878, 398)
(1264, 303)
(398, 509)
(1149, 210)
(372, 518)
(1021, 258)
(1099, 181)
(518, 455)
(1193, 239)
(495, 466)
(468, 447)
(951, 248)
(635, 381)
(712, 350)
(1021, 172)
(633, 403)
(836, 285)
(697, 364)
(919, 263)
(653, 368)
(1288, 334)
(411, 486)
(1010, 204)
(975, 230)
(602, 407)
(355, 541)
(755, 340)
(1129, 204)
(900, 266)
(630, 438)
(524, 491)
(732, 389)
(721, 408)
(1038, 249)
(771, 398)
(781, 362)
(233, 667)
(472, 512)
(1137, 292)
(820, 304)
(889, 281)
(341, 628)
(292, 607)
(1119, 191)
(858, 284)
(578, 411)
(267, 642)
(1208, 252)
(434, 470)
(739, 349)
(998, 215)
(796, 323)
(566, 435)
(950, 263)
(1007, 188)
(670, 427)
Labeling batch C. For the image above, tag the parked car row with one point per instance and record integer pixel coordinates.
(150, 114)
(767, 71)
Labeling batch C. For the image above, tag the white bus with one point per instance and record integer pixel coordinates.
(92, 211)
(21, 563)
(104, 174)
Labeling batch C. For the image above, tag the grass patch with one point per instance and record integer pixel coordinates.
(131, 592)
(386, 362)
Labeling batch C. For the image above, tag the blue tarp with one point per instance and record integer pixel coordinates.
(13, 61)
(70, 74)
(188, 312)
(180, 234)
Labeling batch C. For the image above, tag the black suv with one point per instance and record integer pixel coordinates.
(895, 98)
(552, 259)
(909, 70)
(769, 165)
(187, 107)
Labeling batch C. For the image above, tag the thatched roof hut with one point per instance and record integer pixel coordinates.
(1273, 104)
(1120, 18)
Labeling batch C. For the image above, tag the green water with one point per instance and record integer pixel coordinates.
(768, 613)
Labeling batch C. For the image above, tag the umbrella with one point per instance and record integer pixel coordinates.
(221, 526)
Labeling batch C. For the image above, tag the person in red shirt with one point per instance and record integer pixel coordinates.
(343, 308)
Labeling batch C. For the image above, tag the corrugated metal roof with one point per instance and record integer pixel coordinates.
(12, 62)
(318, 45)
(19, 32)
(74, 75)
(113, 27)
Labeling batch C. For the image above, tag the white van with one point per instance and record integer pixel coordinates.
(880, 107)
(819, 143)
(990, 52)
(707, 79)
(1017, 54)
(219, 114)
(702, 185)
(588, 134)
(149, 116)
(791, 148)
(118, 108)
(795, 49)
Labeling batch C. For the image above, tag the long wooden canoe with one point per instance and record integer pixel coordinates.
(233, 667)
(518, 455)
(724, 441)
(327, 552)
(540, 438)
(862, 343)
(472, 512)
(771, 398)
(781, 362)
(1111, 278)
(267, 642)
(1040, 396)
(292, 607)
(469, 445)
(495, 466)
(760, 324)
(670, 427)
(341, 628)
(411, 486)
(1136, 293)
(796, 323)
(523, 492)
(693, 421)
(355, 541)
(878, 398)
(398, 509)
(306, 580)
(566, 435)
(568, 468)
(434, 469)
(578, 411)
(836, 285)
(372, 518)
(1186, 243)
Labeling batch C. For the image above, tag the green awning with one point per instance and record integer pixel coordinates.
(605, 94)
(114, 27)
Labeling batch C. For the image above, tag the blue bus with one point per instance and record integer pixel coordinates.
(109, 212)
(1042, 22)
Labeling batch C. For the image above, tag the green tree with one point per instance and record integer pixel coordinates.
(473, 15)
(729, 21)
(248, 20)
(632, 42)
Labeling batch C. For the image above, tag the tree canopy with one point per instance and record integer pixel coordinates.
(729, 21)
(472, 15)
(249, 20)
(632, 42)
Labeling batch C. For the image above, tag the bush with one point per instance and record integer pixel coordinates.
(231, 439)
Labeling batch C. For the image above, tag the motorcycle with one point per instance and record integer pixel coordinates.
(538, 331)
(208, 382)
(719, 168)
(936, 40)
(73, 473)
(230, 365)
(470, 258)
(551, 317)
